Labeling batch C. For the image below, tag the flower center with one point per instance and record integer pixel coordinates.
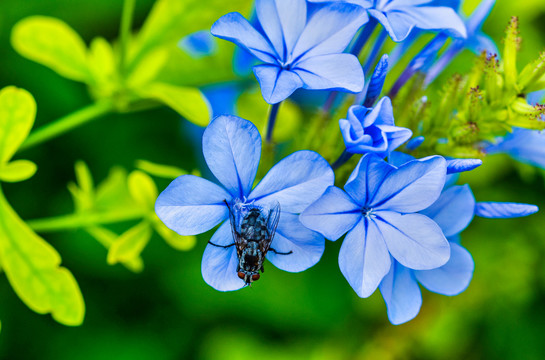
(367, 212)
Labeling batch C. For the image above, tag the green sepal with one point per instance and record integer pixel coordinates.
(130, 244)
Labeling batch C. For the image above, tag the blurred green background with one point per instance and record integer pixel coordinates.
(168, 312)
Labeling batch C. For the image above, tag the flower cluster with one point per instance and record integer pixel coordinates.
(401, 216)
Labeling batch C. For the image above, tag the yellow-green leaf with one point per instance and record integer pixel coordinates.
(84, 178)
(107, 238)
(147, 69)
(17, 113)
(130, 244)
(251, 106)
(33, 269)
(176, 241)
(187, 101)
(53, 43)
(142, 189)
(164, 171)
(18, 170)
(101, 63)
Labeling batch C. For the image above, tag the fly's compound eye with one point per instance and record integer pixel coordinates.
(255, 277)
(241, 275)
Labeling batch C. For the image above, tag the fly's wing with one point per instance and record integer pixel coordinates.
(272, 224)
(240, 244)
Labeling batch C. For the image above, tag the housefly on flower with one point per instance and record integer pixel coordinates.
(253, 231)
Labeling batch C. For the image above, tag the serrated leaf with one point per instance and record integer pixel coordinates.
(18, 170)
(159, 170)
(33, 269)
(130, 244)
(142, 189)
(17, 113)
(178, 242)
(189, 102)
(107, 238)
(53, 43)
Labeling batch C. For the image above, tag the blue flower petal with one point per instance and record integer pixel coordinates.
(453, 277)
(482, 42)
(294, 182)
(414, 240)
(231, 148)
(401, 294)
(413, 187)
(332, 215)
(403, 19)
(235, 28)
(199, 44)
(306, 245)
(461, 165)
(364, 258)
(366, 178)
(453, 211)
(219, 265)
(415, 142)
(191, 205)
(329, 30)
(504, 210)
(331, 72)
(283, 22)
(276, 84)
(395, 136)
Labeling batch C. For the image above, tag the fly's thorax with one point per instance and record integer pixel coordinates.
(254, 226)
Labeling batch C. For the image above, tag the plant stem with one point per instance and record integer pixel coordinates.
(66, 123)
(125, 33)
(273, 112)
(76, 221)
(345, 156)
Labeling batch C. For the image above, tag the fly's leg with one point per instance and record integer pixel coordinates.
(221, 246)
(262, 269)
(280, 253)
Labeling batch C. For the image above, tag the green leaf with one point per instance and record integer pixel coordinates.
(18, 170)
(251, 106)
(51, 42)
(130, 244)
(32, 268)
(17, 113)
(178, 242)
(170, 20)
(146, 70)
(112, 192)
(102, 65)
(107, 238)
(84, 178)
(142, 189)
(187, 101)
(163, 171)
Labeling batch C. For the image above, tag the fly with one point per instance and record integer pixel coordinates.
(252, 239)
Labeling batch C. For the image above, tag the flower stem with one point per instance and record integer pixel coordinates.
(273, 112)
(66, 123)
(76, 221)
(345, 156)
(125, 33)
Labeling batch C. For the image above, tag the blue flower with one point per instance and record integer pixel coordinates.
(527, 146)
(372, 129)
(298, 52)
(476, 41)
(378, 212)
(399, 17)
(453, 212)
(192, 205)
(198, 44)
